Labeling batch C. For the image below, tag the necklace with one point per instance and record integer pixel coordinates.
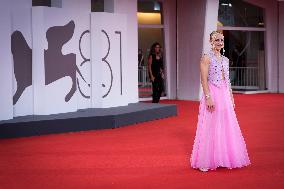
(218, 56)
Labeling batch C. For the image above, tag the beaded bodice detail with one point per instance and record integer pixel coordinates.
(215, 75)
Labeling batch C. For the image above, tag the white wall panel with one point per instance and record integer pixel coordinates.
(58, 32)
(129, 8)
(6, 91)
(110, 68)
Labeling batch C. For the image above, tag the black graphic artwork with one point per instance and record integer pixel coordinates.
(22, 56)
(56, 64)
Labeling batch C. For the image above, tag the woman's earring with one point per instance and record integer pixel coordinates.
(223, 51)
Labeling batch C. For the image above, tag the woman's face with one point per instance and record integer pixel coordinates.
(217, 41)
(157, 49)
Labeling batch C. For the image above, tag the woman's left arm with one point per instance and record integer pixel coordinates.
(230, 88)
(232, 97)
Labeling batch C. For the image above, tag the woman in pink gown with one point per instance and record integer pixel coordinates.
(218, 141)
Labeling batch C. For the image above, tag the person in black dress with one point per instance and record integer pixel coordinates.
(156, 73)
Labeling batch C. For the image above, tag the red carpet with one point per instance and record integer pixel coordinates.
(148, 155)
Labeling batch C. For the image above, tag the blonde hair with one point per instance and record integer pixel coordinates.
(214, 33)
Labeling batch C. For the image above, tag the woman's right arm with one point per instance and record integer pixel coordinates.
(204, 68)
(150, 68)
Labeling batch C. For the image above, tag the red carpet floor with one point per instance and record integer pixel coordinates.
(149, 155)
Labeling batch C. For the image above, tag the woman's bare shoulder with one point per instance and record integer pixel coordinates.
(205, 58)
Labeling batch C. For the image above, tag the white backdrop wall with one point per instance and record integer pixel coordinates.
(51, 52)
(129, 8)
(6, 69)
(109, 65)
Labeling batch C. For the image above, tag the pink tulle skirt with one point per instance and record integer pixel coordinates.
(218, 141)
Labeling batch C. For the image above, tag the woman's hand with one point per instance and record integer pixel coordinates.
(233, 101)
(210, 105)
(152, 78)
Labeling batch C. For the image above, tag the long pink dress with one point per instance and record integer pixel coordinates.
(218, 141)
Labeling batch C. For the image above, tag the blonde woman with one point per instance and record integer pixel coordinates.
(218, 141)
